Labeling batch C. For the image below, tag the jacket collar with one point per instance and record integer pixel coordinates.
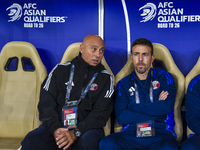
(134, 76)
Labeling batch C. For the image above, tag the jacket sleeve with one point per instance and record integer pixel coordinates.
(101, 110)
(192, 104)
(125, 115)
(159, 107)
(47, 106)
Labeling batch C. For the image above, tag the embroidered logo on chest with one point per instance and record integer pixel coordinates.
(93, 87)
(155, 85)
(131, 91)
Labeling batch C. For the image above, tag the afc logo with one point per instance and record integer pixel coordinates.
(150, 10)
(15, 12)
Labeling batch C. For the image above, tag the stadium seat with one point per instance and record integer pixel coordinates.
(71, 52)
(161, 54)
(21, 75)
(193, 73)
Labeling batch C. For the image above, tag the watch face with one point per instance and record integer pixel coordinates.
(77, 133)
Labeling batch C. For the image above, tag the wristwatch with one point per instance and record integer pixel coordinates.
(77, 133)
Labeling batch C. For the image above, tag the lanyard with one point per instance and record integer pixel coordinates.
(69, 87)
(137, 98)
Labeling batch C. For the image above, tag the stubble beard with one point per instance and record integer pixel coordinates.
(142, 70)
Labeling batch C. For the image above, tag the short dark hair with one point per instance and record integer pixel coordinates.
(143, 41)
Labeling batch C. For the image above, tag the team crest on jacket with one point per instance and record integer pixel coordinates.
(93, 87)
(155, 85)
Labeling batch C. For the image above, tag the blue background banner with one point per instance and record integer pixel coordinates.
(66, 22)
(52, 25)
(181, 38)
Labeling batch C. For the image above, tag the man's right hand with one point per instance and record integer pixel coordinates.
(64, 137)
(163, 95)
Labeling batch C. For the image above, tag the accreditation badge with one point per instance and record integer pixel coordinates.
(145, 129)
(69, 114)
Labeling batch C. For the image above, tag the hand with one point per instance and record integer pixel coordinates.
(163, 95)
(64, 138)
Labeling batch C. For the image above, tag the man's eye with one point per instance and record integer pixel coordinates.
(101, 50)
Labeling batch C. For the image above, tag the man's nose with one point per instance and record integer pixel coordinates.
(97, 53)
(140, 58)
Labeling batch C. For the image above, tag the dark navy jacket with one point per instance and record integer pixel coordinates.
(192, 105)
(129, 113)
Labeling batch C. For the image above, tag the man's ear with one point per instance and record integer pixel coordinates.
(152, 58)
(131, 57)
(81, 48)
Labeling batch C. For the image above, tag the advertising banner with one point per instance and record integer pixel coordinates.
(175, 24)
(52, 25)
